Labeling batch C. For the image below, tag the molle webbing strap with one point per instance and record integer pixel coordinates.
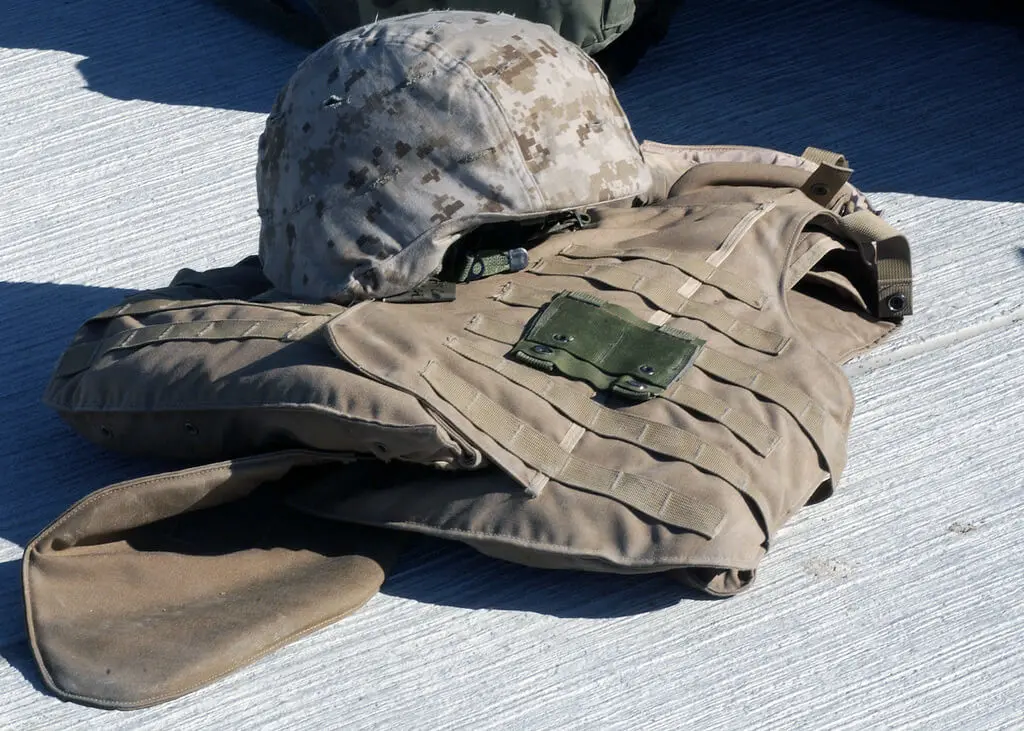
(136, 308)
(816, 423)
(520, 295)
(819, 155)
(892, 262)
(492, 329)
(825, 185)
(79, 357)
(544, 454)
(430, 290)
(690, 264)
(799, 268)
(662, 439)
(759, 436)
(666, 298)
(819, 426)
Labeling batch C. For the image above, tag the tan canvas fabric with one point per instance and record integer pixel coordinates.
(471, 445)
(190, 373)
(151, 588)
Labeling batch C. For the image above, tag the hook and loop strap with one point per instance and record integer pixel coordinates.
(891, 253)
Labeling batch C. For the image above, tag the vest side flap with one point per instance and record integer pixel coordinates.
(148, 589)
(210, 379)
(832, 291)
(563, 528)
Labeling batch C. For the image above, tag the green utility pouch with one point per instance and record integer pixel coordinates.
(583, 337)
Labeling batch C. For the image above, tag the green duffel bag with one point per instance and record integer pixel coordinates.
(590, 24)
(633, 25)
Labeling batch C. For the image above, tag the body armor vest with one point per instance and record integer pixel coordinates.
(657, 390)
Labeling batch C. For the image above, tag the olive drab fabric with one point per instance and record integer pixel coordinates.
(590, 24)
(394, 139)
(658, 390)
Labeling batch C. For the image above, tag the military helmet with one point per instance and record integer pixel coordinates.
(392, 141)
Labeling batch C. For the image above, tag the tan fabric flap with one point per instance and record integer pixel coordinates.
(148, 589)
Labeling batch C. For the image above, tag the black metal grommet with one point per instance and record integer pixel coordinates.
(646, 369)
(191, 428)
(632, 383)
(543, 349)
(563, 338)
(819, 190)
(897, 302)
(106, 432)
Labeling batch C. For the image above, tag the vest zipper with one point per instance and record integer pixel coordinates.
(740, 230)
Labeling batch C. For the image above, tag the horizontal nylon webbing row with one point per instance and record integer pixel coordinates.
(817, 424)
(813, 419)
(690, 264)
(663, 295)
(577, 406)
(544, 454)
(760, 437)
(757, 381)
(79, 357)
(152, 306)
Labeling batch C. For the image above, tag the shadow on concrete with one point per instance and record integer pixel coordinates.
(19, 656)
(920, 102)
(46, 467)
(187, 52)
(451, 574)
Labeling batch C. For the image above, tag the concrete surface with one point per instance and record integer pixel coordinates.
(128, 139)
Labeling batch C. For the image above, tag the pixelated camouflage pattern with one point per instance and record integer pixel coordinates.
(393, 139)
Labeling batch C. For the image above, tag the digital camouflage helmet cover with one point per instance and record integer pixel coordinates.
(395, 139)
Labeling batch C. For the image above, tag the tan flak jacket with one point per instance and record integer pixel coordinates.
(658, 390)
